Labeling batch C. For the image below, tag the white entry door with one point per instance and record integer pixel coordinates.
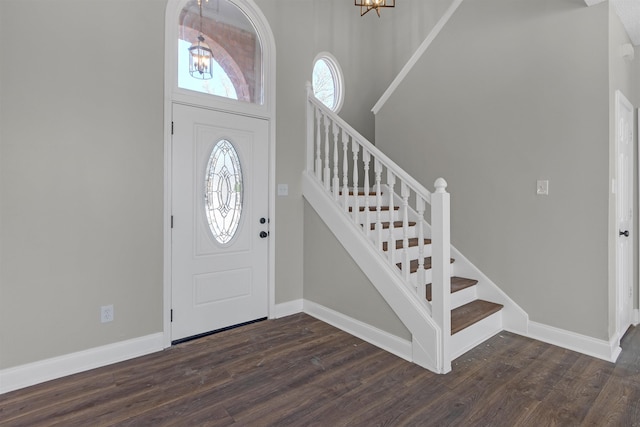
(219, 248)
(624, 213)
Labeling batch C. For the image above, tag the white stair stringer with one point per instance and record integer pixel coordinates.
(413, 312)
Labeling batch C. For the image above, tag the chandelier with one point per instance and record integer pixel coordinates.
(367, 5)
(200, 55)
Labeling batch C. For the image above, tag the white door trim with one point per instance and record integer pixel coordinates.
(265, 111)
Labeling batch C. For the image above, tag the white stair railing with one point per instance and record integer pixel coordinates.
(328, 155)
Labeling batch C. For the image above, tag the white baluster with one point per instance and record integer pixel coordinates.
(420, 206)
(391, 243)
(406, 266)
(355, 148)
(345, 170)
(377, 167)
(336, 181)
(327, 170)
(366, 158)
(318, 145)
(441, 267)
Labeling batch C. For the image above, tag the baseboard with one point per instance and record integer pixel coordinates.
(605, 350)
(57, 367)
(386, 341)
(287, 309)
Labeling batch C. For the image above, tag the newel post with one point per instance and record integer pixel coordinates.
(441, 267)
(310, 121)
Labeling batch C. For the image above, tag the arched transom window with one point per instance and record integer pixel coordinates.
(235, 67)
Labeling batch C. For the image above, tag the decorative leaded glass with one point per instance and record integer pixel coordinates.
(223, 191)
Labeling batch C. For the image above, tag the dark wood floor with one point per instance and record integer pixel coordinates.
(298, 371)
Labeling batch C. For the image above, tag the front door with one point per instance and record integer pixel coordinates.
(219, 249)
(624, 213)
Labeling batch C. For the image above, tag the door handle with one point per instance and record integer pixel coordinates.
(624, 233)
(264, 234)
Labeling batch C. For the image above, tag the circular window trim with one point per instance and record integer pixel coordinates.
(338, 77)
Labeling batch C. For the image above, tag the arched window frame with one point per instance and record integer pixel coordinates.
(177, 94)
(336, 74)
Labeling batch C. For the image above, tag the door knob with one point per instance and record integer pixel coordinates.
(624, 233)
(263, 234)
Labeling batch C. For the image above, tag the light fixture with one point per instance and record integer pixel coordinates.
(200, 55)
(367, 5)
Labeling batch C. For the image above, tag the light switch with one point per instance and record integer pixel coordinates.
(283, 189)
(542, 187)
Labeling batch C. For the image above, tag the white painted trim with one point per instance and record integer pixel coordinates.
(57, 367)
(287, 308)
(593, 2)
(590, 346)
(382, 339)
(636, 316)
(267, 111)
(416, 56)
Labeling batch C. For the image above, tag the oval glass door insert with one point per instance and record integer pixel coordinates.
(223, 191)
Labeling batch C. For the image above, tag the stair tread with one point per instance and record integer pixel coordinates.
(414, 264)
(375, 208)
(468, 314)
(396, 224)
(413, 242)
(361, 193)
(457, 284)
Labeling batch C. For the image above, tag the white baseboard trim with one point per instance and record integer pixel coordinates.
(57, 367)
(605, 350)
(636, 316)
(287, 309)
(386, 341)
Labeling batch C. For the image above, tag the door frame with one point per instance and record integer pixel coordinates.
(173, 94)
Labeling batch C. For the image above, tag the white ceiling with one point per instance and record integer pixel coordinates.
(629, 13)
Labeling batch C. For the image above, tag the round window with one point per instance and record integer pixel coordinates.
(327, 81)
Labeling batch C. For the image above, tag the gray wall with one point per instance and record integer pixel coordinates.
(343, 287)
(510, 92)
(81, 160)
(81, 174)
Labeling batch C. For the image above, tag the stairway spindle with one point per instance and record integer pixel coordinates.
(391, 243)
(327, 170)
(421, 286)
(366, 158)
(406, 267)
(355, 148)
(345, 170)
(377, 167)
(318, 144)
(336, 181)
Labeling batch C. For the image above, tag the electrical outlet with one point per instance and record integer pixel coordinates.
(106, 313)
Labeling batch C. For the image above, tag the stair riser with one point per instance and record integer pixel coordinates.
(414, 252)
(373, 201)
(475, 334)
(464, 296)
(373, 216)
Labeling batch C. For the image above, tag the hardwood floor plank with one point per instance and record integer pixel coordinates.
(299, 371)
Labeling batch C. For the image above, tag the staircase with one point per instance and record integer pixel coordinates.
(378, 212)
